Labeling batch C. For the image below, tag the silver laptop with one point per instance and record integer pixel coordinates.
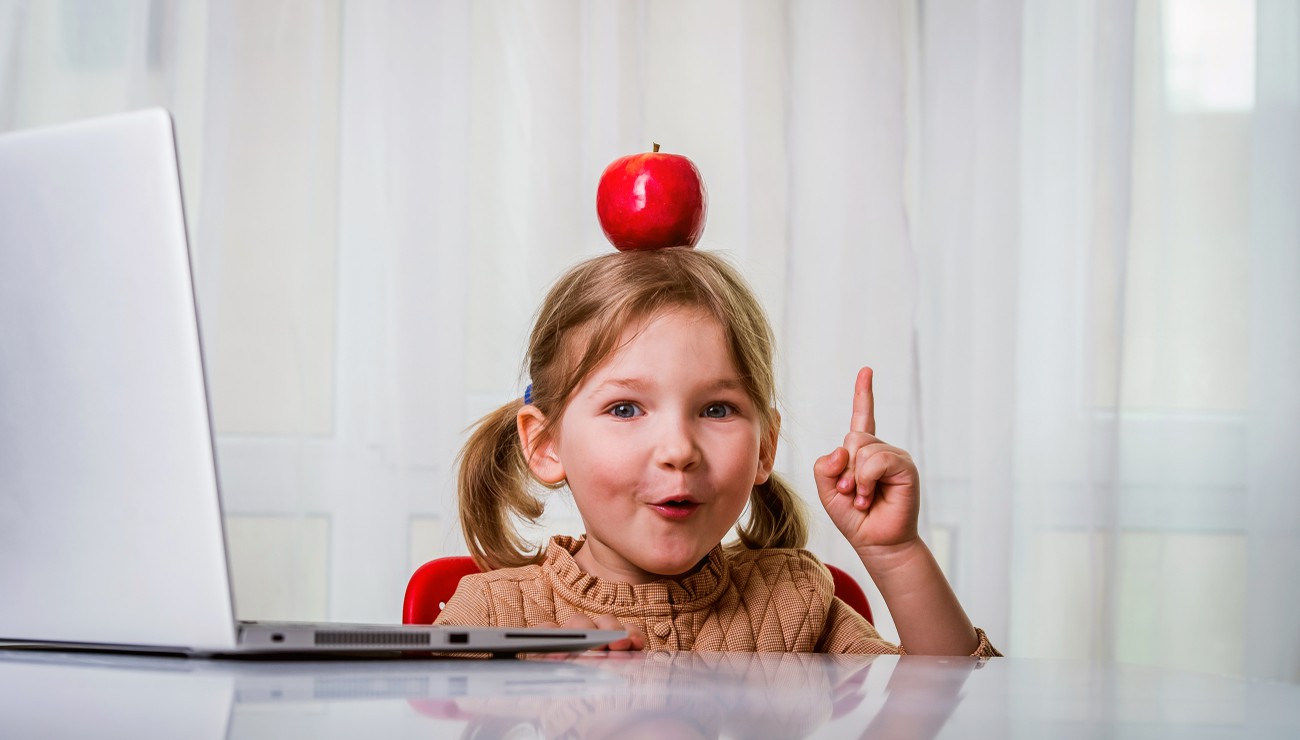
(110, 515)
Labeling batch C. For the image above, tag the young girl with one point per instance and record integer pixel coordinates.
(652, 399)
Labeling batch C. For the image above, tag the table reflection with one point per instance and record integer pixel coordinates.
(712, 695)
(680, 695)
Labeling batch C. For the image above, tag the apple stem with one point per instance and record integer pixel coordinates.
(656, 147)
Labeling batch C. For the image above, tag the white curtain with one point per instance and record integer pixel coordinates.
(1065, 234)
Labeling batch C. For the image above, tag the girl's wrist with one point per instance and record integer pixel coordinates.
(882, 560)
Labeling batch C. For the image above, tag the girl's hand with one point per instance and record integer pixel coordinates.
(870, 489)
(635, 639)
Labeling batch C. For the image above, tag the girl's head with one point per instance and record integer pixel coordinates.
(587, 311)
(638, 360)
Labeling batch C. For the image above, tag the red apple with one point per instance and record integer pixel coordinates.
(651, 200)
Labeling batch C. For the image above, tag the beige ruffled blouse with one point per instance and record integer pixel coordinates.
(769, 600)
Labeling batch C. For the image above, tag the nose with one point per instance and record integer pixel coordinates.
(676, 447)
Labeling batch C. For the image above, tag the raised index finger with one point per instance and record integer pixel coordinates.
(864, 404)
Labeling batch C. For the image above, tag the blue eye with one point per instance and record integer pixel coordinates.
(624, 410)
(719, 410)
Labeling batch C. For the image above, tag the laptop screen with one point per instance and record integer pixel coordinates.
(112, 530)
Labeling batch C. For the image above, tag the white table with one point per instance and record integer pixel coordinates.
(684, 695)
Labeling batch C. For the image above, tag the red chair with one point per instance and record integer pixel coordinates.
(433, 583)
(850, 592)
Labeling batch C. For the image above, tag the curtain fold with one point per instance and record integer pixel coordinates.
(851, 281)
(967, 226)
(1273, 468)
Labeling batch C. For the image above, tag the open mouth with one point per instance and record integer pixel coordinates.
(675, 508)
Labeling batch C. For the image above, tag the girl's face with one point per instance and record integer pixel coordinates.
(661, 446)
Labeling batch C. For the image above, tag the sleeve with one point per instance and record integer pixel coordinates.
(848, 632)
(985, 649)
(470, 606)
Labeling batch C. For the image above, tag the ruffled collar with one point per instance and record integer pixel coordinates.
(664, 597)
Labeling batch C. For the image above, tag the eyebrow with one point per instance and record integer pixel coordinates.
(637, 384)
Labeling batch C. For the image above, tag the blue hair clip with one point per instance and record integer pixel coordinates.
(528, 394)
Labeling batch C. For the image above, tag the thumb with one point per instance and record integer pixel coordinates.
(828, 469)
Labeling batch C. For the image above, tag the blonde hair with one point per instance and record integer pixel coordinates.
(578, 326)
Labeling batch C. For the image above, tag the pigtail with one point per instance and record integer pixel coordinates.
(493, 487)
(777, 517)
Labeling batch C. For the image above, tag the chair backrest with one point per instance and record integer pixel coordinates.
(850, 592)
(433, 583)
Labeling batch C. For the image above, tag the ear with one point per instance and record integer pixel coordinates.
(767, 449)
(539, 448)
